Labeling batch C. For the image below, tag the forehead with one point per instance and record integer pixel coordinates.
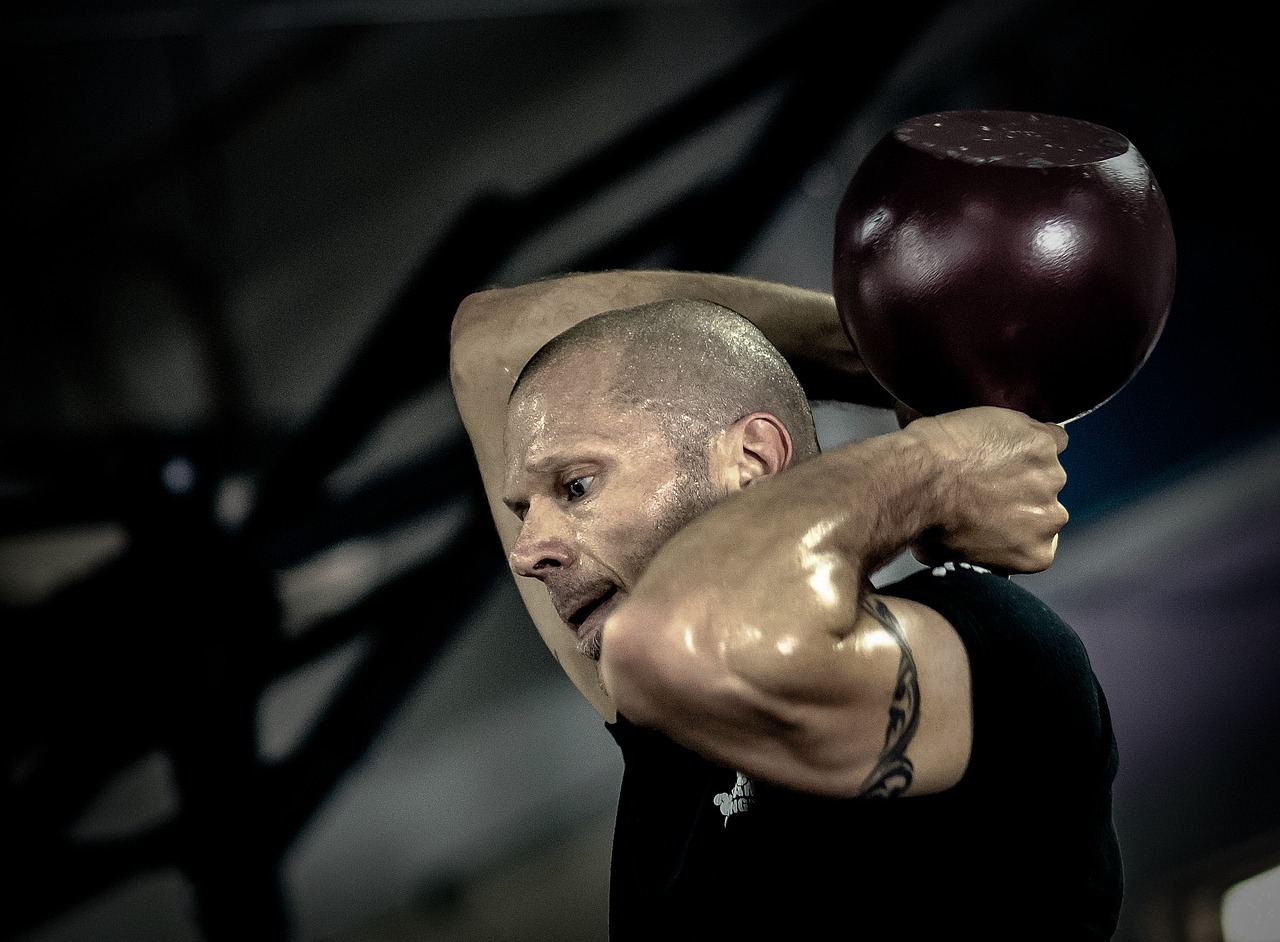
(569, 406)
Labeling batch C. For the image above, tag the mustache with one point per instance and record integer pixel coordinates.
(574, 597)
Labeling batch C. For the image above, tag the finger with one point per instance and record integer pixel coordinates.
(1059, 434)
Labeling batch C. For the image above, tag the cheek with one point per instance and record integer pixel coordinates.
(627, 536)
(638, 551)
(662, 503)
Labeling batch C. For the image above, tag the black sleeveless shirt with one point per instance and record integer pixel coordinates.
(1022, 847)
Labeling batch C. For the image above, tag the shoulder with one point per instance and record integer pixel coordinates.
(984, 607)
(1032, 681)
(1010, 635)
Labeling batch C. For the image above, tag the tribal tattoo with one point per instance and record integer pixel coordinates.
(893, 772)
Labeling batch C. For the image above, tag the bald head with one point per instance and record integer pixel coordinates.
(695, 365)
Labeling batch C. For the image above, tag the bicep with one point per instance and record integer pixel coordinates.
(927, 715)
(496, 331)
(883, 709)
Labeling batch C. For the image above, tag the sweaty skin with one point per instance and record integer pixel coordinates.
(744, 626)
(496, 331)
(751, 633)
(597, 491)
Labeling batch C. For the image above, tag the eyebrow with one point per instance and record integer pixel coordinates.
(547, 464)
(550, 462)
(538, 467)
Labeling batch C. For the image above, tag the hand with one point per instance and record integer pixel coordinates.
(1001, 478)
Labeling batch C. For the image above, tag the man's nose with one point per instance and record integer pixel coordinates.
(541, 548)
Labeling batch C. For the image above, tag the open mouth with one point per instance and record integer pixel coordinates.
(584, 611)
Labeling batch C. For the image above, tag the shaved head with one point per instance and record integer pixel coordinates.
(695, 365)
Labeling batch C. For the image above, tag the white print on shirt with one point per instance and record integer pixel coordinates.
(951, 567)
(740, 798)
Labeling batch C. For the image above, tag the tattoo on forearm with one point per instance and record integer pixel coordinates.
(893, 772)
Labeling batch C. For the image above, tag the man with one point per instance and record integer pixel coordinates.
(806, 755)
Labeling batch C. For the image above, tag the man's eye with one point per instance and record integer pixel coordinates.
(578, 487)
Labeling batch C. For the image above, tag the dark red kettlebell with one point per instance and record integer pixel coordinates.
(1003, 258)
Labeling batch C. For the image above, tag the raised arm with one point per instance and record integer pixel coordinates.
(495, 332)
(754, 636)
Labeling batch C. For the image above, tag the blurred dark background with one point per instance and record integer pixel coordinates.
(264, 674)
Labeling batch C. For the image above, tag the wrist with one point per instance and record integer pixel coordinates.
(895, 487)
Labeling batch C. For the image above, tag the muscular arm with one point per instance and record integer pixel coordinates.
(495, 332)
(754, 636)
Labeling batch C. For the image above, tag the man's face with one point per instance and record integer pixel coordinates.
(597, 487)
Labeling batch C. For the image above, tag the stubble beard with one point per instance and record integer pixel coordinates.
(590, 646)
(692, 494)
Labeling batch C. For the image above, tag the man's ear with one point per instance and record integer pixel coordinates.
(757, 445)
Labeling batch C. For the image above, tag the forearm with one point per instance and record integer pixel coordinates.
(754, 629)
(805, 327)
(497, 331)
